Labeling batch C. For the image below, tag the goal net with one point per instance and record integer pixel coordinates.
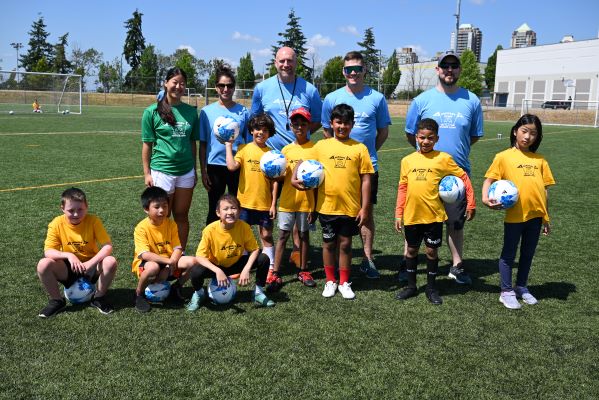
(53, 92)
(563, 112)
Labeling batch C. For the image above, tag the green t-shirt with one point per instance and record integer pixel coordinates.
(171, 151)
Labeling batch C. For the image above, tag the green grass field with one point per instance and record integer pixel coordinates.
(308, 347)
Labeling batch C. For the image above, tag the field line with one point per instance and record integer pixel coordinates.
(65, 133)
(70, 183)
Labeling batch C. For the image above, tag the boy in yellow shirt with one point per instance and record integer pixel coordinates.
(419, 212)
(71, 251)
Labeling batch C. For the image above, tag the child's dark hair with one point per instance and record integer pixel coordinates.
(73, 194)
(164, 108)
(151, 194)
(262, 121)
(525, 120)
(429, 124)
(228, 198)
(343, 112)
(225, 70)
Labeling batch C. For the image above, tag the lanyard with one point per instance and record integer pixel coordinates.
(287, 107)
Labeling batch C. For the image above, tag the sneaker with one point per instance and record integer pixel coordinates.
(196, 300)
(524, 294)
(433, 296)
(406, 293)
(275, 284)
(261, 300)
(102, 305)
(176, 293)
(141, 304)
(457, 272)
(330, 288)
(509, 300)
(306, 278)
(54, 307)
(368, 268)
(269, 276)
(346, 291)
(294, 259)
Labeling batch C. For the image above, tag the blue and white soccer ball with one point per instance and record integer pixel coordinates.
(505, 192)
(81, 291)
(225, 129)
(157, 292)
(222, 294)
(451, 189)
(311, 173)
(273, 164)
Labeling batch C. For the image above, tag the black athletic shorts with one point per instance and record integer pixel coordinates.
(333, 225)
(431, 233)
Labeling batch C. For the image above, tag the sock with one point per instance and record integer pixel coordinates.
(270, 252)
(258, 290)
(432, 266)
(411, 266)
(329, 271)
(344, 274)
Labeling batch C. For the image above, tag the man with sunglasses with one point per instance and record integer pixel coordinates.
(371, 127)
(459, 115)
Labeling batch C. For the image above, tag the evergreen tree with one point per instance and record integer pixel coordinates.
(109, 76)
(294, 37)
(470, 77)
(371, 57)
(391, 75)
(38, 48)
(490, 69)
(148, 70)
(135, 44)
(332, 76)
(61, 64)
(245, 72)
(187, 62)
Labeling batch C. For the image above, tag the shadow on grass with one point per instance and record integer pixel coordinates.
(553, 290)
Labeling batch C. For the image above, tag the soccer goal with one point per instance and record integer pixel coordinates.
(59, 93)
(242, 96)
(563, 112)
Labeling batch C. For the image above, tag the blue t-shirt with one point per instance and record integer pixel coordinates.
(215, 150)
(267, 99)
(370, 113)
(459, 115)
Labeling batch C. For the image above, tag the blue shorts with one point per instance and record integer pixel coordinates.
(255, 217)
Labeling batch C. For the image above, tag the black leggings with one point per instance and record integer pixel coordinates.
(262, 263)
(220, 179)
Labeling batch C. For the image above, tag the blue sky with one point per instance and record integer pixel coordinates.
(230, 29)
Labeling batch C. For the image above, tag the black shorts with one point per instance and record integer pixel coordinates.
(91, 275)
(255, 217)
(456, 214)
(333, 225)
(431, 233)
(374, 187)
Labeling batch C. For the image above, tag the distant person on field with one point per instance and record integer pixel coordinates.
(169, 131)
(36, 107)
(419, 211)
(76, 246)
(525, 221)
(157, 248)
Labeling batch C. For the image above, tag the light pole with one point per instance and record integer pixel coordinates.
(17, 46)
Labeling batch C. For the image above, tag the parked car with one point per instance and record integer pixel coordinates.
(555, 104)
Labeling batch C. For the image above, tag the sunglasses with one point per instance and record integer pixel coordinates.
(225, 85)
(449, 65)
(354, 68)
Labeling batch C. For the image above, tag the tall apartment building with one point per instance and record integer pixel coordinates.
(469, 38)
(407, 56)
(524, 37)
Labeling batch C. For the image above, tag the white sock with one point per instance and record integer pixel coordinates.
(259, 290)
(270, 252)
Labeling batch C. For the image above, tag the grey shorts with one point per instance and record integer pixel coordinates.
(288, 219)
(456, 214)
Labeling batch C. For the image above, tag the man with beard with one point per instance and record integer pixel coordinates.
(459, 115)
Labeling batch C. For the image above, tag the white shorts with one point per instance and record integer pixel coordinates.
(288, 219)
(170, 183)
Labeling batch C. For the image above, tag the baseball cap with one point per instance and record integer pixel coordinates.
(301, 111)
(449, 53)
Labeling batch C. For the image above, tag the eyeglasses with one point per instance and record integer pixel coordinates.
(354, 68)
(225, 85)
(449, 65)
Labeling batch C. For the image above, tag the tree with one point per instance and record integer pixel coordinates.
(109, 75)
(38, 48)
(61, 63)
(490, 69)
(187, 62)
(332, 75)
(391, 75)
(245, 72)
(85, 62)
(148, 70)
(470, 77)
(214, 65)
(371, 57)
(294, 37)
(135, 44)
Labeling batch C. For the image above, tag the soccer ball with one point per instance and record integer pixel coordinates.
(311, 173)
(65, 112)
(222, 294)
(11, 112)
(504, 192)
(451, 189)
(273, 164)
(225, 129)
(157, 292)
(80, 291)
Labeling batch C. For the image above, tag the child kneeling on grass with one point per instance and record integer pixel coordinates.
(221, 251)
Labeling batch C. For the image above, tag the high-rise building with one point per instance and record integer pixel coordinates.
(407, 56)
(469, 38)
(524, 37)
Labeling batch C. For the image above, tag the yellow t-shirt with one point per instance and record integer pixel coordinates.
(160, 239)
(292, 199)
(531, 174)
(422, 173)
(344, 162)
(224, 247)
(255, 190)
(81, 240)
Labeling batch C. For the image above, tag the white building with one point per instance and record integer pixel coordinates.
(560, 71)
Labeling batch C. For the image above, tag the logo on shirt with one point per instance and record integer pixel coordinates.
(447, 119)
(421, 173)
(78, 245)
(340, 161)
(361, 120)
(529, 170)
(180, 128)
(162, 247)
(254, 165)
(231, 250)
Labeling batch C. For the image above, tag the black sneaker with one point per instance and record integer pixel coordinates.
(457, 272)
(141, 304)
(176, 294)
(433, 296)
(102, 305)
(54, 307)
(406, 293)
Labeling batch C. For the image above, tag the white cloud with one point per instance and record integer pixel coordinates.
(477, 2)
(350, 29)
(190, 49)
(320, 41)
(245, 36)
(261, 52)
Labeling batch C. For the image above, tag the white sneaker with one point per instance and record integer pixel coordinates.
(509, 300)
(346, 291)
(524, 294)
(329, 289)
